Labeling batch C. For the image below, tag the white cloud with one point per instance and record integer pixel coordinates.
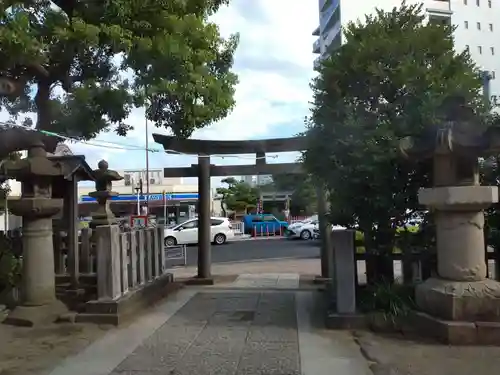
(274, 64)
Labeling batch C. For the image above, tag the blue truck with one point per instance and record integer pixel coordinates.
(263, 224)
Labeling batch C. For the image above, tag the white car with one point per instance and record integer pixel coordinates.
(187, 232)
(307, 230)
(303, 230)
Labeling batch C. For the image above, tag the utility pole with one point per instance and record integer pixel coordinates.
(147, 152)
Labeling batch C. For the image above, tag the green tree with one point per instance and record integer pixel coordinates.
(385, 83)
(84, 65)
(303, 200)
(238, 196)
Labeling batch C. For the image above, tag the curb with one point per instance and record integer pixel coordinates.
(238, 239)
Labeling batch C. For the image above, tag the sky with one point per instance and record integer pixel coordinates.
(274, 64)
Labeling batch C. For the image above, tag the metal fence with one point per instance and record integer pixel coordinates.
(175, 253)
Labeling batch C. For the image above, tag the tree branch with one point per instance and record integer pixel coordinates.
(38, 70)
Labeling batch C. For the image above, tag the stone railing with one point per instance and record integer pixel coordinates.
(119, 261)
(127, 260)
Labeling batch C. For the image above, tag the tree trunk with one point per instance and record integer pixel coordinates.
(379, 269)
(42, 102)
(379, 263)
(15, 138)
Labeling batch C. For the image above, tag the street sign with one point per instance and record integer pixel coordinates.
(137, 221)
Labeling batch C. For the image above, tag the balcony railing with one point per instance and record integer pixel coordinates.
(317, 46)
(438, 6)
(328, 13)
(332, 34)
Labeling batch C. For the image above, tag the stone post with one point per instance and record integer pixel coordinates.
(204, 224)
(71, 207)
(37, 208)
(461, 291)
(344, 290)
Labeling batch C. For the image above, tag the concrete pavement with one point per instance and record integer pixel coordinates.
(214, 330)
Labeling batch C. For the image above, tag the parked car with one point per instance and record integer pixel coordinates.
(187, 232)
(303, 230)
(262, 224)
(317, 235)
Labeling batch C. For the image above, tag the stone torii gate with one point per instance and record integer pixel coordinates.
(204, 170)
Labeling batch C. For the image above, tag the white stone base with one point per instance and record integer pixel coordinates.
(455, 198)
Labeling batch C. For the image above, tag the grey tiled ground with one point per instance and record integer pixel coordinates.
(223, 333)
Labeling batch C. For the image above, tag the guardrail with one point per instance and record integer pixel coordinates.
(263, 230)
(238, 228)
(177, 252)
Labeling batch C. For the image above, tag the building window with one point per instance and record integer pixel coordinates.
(492, 50)
(479, 25)
(480, 50)
(466, 24)
(491, 27)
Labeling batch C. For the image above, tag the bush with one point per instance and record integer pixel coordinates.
(360, 237)
(10, 265)
(394, 301)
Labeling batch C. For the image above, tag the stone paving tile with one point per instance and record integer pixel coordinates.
(216, 351)
(223, 333)
(163, 350)
(268, 280)
(270, 358)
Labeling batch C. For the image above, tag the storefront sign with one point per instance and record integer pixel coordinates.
(142, 198)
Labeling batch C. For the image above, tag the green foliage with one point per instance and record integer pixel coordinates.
(10, 265)
(385, 83)
(238, 196)
(91, 62)
(393, 300)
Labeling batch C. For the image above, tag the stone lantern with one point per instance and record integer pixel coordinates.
(104, 178)
(461, 291)
(37, 208)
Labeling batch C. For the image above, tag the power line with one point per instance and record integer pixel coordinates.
(127, 147)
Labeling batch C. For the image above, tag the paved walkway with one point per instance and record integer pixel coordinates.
(268, 280)
(210, 330)
(266, 266)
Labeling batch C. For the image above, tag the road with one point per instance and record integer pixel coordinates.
(239, 251)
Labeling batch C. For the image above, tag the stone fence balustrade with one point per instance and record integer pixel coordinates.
(126, 260)
(121, 261)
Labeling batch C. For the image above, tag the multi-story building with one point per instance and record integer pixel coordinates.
(179, 200)
(477, 25)
(257, 180)
(170, 196)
